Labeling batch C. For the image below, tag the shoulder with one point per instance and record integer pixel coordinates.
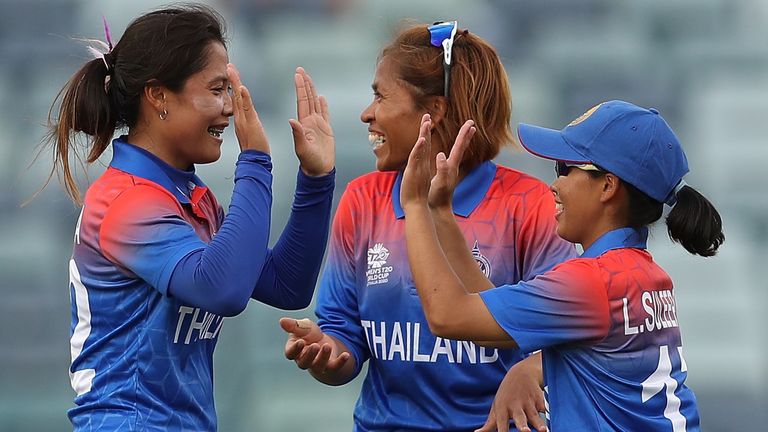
(632, 264)
(370, 190)
(517, 183)
(586, 267)
(376, 182)
(122, 193)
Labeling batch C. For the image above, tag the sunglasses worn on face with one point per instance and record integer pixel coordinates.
(562, 168)
(442, 34)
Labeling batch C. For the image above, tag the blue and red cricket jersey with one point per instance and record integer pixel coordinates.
(367, 299)
(156, 266)
(610, 337)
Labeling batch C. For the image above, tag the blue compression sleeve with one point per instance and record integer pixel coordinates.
(290, 273)
(220, 277)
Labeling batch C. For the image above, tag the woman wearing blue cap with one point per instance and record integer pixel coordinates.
(606, 322)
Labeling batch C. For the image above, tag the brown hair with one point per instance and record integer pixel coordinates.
(162, 47)
(478, 88)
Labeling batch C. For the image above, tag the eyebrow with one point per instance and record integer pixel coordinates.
(375, 87)
(218, 78)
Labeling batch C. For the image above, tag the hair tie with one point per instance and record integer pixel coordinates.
(672, 200)
(101, 49)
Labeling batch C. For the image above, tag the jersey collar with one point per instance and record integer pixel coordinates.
(467, 196)
(617, 239)
(141, 163)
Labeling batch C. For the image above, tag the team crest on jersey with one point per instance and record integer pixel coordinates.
(378, 270)
(481, 260)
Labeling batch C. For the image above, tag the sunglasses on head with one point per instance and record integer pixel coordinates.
(442, 34)
(562, 168)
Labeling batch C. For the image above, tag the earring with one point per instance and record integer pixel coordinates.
(164, 114)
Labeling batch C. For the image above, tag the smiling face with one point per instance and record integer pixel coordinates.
(578, 210)
(393, 119)
(198, 114)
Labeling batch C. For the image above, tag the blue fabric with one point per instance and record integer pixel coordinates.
(611, 344)
(632, 142)
(468, 194)
(155, 267)
(220, 277)
(366, 299)
(137, 161)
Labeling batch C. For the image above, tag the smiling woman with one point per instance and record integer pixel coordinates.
(605, 322)
(367, 307)
(149, 282)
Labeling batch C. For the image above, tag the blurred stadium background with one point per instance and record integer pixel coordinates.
(703, 63)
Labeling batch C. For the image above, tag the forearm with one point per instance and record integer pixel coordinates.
(459, 256)
(289, 276)
(220, 277)
(439, 288)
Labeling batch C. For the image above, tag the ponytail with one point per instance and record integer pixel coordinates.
(695, 223)
(85, 107)
(165, 46)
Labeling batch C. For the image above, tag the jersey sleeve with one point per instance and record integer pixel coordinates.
(288, 278)
(144, 233)
(568, 304)
(337, 306)
(540, 248)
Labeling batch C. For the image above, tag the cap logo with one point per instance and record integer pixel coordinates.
(585, 116)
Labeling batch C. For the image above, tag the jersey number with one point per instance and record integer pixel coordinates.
(661, 379)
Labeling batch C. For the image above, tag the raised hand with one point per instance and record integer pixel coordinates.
(248, 128)
(519, 399)
(312, 133)
(447, 174)
(310, 348)
(414, 189)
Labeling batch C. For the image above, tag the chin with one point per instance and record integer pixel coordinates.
(209, 158)
(562, 232)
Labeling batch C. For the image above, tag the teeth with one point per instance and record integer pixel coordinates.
(215, 132)
(376, 140)
(558, 207)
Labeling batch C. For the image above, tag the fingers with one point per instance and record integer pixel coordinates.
(425, 130)
(294, 348)
(298, 328)
(313, 99)
(306, 96)
(338, 362)
(237, 92)
(490, 423)
(463, 139)
(324, 109)
(305, 359)
(248, 110)
(302, 95)
(297, 130)
(521, 420)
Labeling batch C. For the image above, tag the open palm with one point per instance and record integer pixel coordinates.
(312, 132)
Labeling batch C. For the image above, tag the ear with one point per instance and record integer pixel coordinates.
(155, 96)
(611, 186)
(437, 107)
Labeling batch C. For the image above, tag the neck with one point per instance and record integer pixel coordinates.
(142, 137)
(600, 230)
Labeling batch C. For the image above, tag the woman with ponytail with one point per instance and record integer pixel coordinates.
(156, 264)
(606, 322)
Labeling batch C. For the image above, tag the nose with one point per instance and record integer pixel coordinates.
(367, 115)
(553, 186)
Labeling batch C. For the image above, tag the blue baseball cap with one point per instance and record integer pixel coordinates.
(632, 142)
